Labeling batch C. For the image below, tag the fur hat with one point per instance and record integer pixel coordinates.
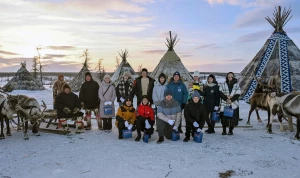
(196, 73)
(176, 73)
(60, 75)
(167, 92)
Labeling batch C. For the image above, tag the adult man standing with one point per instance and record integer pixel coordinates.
(58, 87)
(144, 86)
(89, 99)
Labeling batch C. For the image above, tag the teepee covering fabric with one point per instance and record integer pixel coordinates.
(23, 80)
(278, 55)
(77, 81)
(123, 67)
(170, 63)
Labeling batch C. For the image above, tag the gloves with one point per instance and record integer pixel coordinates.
(106, 103)
(175, 128)
(76, 110)
(171, 122)
(122, 99)
(126, 124)
(109, 103)
(182, 105)
(129, 126)
(216, 108)
(199, 130)
(195, 124)
(147, 125)
(67, 110)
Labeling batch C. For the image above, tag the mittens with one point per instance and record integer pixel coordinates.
(67, 110)
(147, 125)
(129, 126)
(76, 110)
(122, 99)
(216, 108)
(195, 124)
(126, 124)
(175, 128)
(171, 122)
(199, 130)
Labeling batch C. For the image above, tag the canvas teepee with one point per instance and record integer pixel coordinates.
(23, 80)
(79, 79)
(279, 55)
(170, 63)
(123, 67)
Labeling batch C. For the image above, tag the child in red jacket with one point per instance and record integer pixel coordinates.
(145, 118)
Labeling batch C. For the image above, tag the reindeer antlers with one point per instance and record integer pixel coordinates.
(255, 78)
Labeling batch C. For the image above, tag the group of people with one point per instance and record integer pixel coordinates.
(158, 101)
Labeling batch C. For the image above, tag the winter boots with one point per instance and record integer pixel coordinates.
(224, 131)
(138, 138)
(160, 140)
(63, 123)
(99, 121)
(229, 132)
(79, 125)
(88, 122)
(186, 139)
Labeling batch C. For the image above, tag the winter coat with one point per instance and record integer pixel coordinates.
(179, 90)
(167, 110)
(125, 89)
(196, 86)
(195, 112)
(211, 95)
(138, 89)
(145, 111)
(126, 113)
(89, 94)
(70, 101)
(158, 92)
(232, 89)
(110, 95)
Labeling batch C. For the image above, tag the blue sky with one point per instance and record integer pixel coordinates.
(215, 35)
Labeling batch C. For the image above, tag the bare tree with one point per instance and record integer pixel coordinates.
(35, 67)
(86, 57)
(99, 68)
(42, 68)
(140, 69)
(117, 62)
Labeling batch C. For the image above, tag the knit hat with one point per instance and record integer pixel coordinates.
(196, 94)
(66, 86)
(106, 76)
(144, 70)
(167, 92)
(176, 73)
(196, 73)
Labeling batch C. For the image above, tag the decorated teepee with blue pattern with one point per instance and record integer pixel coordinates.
(279, 56)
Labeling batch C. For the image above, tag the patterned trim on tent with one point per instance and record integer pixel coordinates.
(286, 85)
(260, 69)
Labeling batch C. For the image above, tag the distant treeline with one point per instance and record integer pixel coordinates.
(73, 74)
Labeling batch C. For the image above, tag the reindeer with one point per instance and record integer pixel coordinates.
(8, 106)
(30, 110)
(288, 104)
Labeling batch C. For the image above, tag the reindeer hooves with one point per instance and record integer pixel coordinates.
(248, 123)
(270, 132)
(259, 120)
(26, 138)
(8, 134)
(2, 138)
(37, 134)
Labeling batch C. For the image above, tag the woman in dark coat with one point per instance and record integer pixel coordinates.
(211, 95)
(195, 115)
(68, 105)
(89, 99)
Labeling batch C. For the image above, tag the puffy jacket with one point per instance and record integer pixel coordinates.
(167, 110)
(146, 111)
(195, 112)
(179, 90)
(126, 113)
(158, 92)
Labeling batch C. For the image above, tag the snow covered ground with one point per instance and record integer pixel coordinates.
(250, 152)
